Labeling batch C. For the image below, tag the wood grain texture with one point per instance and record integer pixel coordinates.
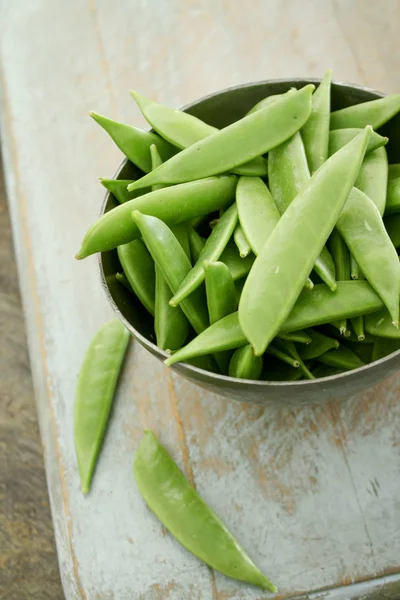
(313, 494)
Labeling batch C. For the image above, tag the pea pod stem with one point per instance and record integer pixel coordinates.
(241, 241)
(273, 350)
(341, 258)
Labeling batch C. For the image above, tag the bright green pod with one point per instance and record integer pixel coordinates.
(172, 205)
(375, 113)
(383, 347)
(288, 174)
(340, 137)
(133, 142)
(358, 327)
(212, 250)
(138, 267)
(392, 226)
(241, 241)
(342, 358)
(316, 307)
(244, 140)
(394, 171)
(393, 196)
(373, 178)
(94, 395)
(319, 345)
(169, 255)
(362, 228)
(185, 514)
(269, 100)
(245, 365)
(315, 131)
(183, 130)
(380, 324)
(119, 189)
(239, 267)
(280, 270)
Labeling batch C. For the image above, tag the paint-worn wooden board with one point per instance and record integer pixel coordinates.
(313, 494)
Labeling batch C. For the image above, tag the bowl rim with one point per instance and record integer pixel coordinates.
(217, 377)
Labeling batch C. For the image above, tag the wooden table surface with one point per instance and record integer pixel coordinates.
(313, 494)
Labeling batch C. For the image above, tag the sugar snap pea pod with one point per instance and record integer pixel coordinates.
(138, 267)
(244, 364)
(358, 327)
(316, 307)
(341, 258)
(392, 226)
(186, 515)
(196, 242)
(169, 255)
(183, 130)
(321, 371)
(291, 349)
(288, 174)
(342, 358)
(236, 144)
(282, 355)
(362, 228)
(94, 395)
(221, 301)
(374, 113)
(319, 345)
(315, 132)
(269, 100)
(354, 268)
(380, 324)
(123, 280)
(373, 176)
(296, 336)
(339, 137)
(393, 196)
(133, 142)
(241, 241)
(394, 171)
(118, 187)
(384, 347)
(212, 250)
(278, 273)
(172, 205)
(239, 267)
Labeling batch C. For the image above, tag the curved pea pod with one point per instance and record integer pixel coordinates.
(183, 130)
(133, 142)
(269, 100)
(241, 241)
(394, 171)
(185, 514)
(138, 267)
(363, 230)
(169, 255)
(212, 250)
(118, 188)
(257, 211)
(374, 113)
(320, 344)
(245, 365)
(236, 144)
(291, 349)
(315, 131)
(380, 324)
(342, 358)
(239, 267)
(94, 394)
(196, 243)
(392, 226)
(280, 270)
(341, 258)
(373, 178)
(340, 137)
(316, 307)
(288, 174)
(383, 347)
(221, 300)
(172, 205)
(393, 196)
(302, 337)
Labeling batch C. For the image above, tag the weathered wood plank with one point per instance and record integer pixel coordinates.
(311, 493)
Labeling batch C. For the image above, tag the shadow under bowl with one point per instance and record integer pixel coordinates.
(221, 109)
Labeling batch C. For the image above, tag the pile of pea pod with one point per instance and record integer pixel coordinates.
(267, 249)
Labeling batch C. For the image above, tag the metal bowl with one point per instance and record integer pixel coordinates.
(221, 109)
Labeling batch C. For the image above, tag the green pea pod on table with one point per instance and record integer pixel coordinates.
(183, 130)
(375, 113)
(187, 516)
(340, 137)
(342, 358)
(373, 177)
(362, 228)
(288, 174)
(320, 344)
(119, 189)
(315, 132)
(392, 226)
(133, 142)
(341, 257)
(241, 241)
(245, 365)
(316, 307)
(394, 171)
(280, 270)
(138, 267)
(221, 152)
(212, 250)
(95, 389)
(393, 196)
(383, 347)
(172, 205)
